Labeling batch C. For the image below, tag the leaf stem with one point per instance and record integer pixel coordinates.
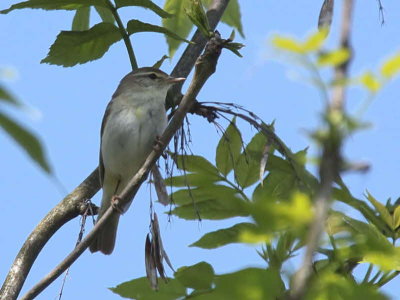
(124, 35)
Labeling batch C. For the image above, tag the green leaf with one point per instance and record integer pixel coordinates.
(26, 140)
(224, 236)
(145, 4)
(78, 47)
(247, 284)
(55, 4)
(334, 58)
(396, 217)
(228, 149)
(232, 16)
(159, 63)
(195, 163)
(192, 180)
(199, 276)
(208, 192)
(198, 17)
(135, 26)
(105, 14)
(179, 23)
(383, 211)
(5, 96)
(277, 185)
(81, 19)
(216, 207)
(140, 289)
(248, 164)
(391, 67)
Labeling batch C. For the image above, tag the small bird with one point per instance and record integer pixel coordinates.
(133, 120)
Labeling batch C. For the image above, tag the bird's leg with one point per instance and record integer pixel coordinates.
(116, 199)
(159, 145)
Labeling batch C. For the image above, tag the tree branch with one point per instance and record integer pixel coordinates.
(60, 214)
(205, 67)
(329, 168)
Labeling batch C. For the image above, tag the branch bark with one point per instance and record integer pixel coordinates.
(66, 210)
(205, 67)
(330, 165)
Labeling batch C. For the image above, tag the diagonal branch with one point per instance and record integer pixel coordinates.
(205, 67)
(61, 213)
(329, 168)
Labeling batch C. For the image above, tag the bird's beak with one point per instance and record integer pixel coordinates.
(175, 80)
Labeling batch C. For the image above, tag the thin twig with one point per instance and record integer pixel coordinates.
(205, 67)
(329, 168)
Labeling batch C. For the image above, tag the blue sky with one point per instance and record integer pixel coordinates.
(67, 105)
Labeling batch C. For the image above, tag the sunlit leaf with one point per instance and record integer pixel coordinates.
(26, 141)
(334, 58)
(371, 82)
(195, 163)
(232, 16)
(179, 23)
(391, 67)
(81, 19)
(140, 289)
(192, 180)
(78, 47)
(135, 26)
(55, 4)
(199, 276)
(396, 217)
(383, 211)
(315, 41)
(145, 4)
(287, 44)
(224, 236)
(228, 149)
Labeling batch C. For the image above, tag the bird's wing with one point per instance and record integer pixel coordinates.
(103, 125)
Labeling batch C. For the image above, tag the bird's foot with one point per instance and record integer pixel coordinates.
(115, 203)
(159, 145)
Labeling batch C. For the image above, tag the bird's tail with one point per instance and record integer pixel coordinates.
(105, 238)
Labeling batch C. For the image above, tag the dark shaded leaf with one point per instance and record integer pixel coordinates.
(199, 276)
(228, 149)
(213, 209)
(81, 19)
(224, 236)
(135, 26)
(248, 165)
(26, 140)
(151, 271)
(145, 4)
(159, 186)
(209, 192)
(55, 4)
(179, 23)
(5, 96)
(105, 14)
(78, 47)
(140, 289)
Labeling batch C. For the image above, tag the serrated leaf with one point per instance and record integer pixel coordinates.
(55, 5)
(179, 23)
(196, 164)
(199, 276)
(145, 4)
(135, 26)
(228, 149)
(81, 19)
(382, 210)
(248, 164)
(216, 208)
(224, 236)
(334, 58)
(105, 14)
(78, 47)
(5, 96)
(26, 140)
(391, 67)
(140, 289)
(371, 82)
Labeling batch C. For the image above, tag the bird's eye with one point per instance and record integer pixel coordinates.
(153, 76)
